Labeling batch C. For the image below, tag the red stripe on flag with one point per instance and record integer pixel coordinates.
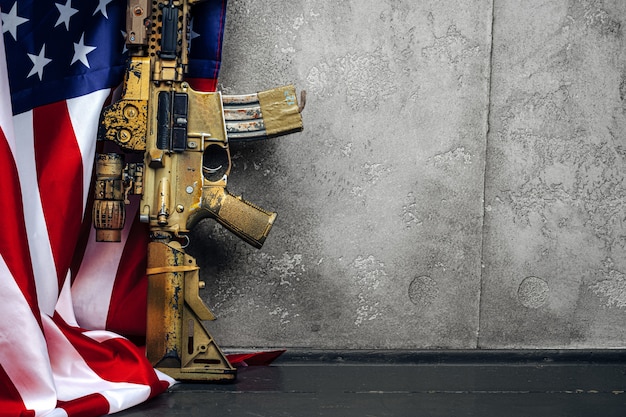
(88, 406)
(12, 404)
(202, 84)
(60, 177)
(127, 311)
(14, 245)
(114, 360)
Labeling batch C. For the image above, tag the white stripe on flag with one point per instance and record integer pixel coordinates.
(24, 351)
(57, 412)
(84, 113)
(64, 307)
(75, 379)
(38, 239)
(6, 115)
(93, 287)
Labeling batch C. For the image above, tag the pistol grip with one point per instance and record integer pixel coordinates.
(244, 219)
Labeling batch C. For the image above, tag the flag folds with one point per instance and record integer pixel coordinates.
(67, 300)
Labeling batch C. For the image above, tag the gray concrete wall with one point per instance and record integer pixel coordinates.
(459, 183)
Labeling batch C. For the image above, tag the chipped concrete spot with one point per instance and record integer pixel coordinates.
(368, 175)
(453, 47)
(374, 171)
(456, 155)
(283, 315)
(357, 77)
(366, 311)
(347, 150)
(423, 291)
(410, 212)
(369, 273)
(317, 80)
(298, 22)
(288, 268)
(357, 191)
(612, 287)
(593, 17)
(570, 172)
(533, 292)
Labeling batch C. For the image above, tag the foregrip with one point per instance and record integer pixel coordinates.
(246, 220)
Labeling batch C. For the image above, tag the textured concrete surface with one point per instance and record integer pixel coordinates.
(554, 236)
(458, 183)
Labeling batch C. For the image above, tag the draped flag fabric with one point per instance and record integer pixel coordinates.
(67, 300)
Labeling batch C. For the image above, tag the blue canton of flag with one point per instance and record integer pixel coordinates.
(60, 49)
(207, 29)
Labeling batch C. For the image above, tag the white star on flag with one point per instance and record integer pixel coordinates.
(39, 61)
(192, 35)
(65, 12)
(81, 50)
(102, 8)
(124, 34)
(10, 21)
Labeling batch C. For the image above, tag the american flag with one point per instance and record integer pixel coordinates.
(65, 298)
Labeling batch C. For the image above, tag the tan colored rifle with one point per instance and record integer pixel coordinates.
(183, 136)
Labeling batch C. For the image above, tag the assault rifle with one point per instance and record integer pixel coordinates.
(182, 137)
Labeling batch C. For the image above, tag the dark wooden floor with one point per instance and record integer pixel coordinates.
(365, 387)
